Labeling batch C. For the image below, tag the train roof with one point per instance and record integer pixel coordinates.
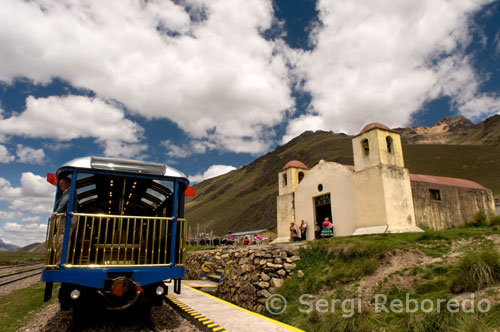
(124, 165)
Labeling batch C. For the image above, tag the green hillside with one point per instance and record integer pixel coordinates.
(245, 199)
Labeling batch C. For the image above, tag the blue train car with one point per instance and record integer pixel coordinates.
(117, 232)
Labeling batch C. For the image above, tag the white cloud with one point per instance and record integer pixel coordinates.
(215, 76)
(382, 60)
(57, 146)
(211, 172)
(10, 215)
(35, 194)
(26, 154)
(301, 124)
(5, 156)
(32, 219)
(21, 234)
(71, 117)
(186, 150)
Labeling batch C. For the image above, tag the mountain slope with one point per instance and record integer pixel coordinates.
(459, 130)
(245, 199)
(34, 247)
(7, 246)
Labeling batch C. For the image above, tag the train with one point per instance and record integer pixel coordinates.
(116, 234)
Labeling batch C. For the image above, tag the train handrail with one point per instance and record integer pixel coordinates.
(104, 240)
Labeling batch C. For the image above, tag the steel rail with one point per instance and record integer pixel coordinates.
(20, 272)
(19, 279)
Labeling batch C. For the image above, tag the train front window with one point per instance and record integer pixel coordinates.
(124, 195)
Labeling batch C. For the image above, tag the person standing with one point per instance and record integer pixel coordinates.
(327, 230)
(303, 228)
(61, 206)
(294, 236)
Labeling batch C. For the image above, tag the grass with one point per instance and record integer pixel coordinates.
(191, 248)
(19, 306)
(475, 271)
(330, 265)
(20, 257)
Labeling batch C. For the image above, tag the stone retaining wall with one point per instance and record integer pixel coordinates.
(254, 272)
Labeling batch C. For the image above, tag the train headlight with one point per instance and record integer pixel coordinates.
(75, 294)
(160, 290)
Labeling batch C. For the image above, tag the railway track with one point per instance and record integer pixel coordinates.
(21, 275)
(5, 267)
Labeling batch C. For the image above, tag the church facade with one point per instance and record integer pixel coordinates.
(376, 195)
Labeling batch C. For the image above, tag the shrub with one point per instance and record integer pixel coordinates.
(476, 270)
(478, 220)
(494, 221)
(364, 321)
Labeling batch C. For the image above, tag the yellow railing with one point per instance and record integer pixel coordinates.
(97, 240)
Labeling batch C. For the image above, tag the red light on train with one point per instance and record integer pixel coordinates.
(52, 178)
(190, 192)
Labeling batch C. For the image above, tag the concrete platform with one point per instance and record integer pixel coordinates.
(203, 285)
(222, 314)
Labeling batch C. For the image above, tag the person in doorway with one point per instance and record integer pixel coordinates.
(327, 230)
(303, 228)
(294, 236)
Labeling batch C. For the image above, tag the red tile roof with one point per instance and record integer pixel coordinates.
(372, 125)
(294, 163)
(445, 181)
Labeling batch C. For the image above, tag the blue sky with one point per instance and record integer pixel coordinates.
(207, 86)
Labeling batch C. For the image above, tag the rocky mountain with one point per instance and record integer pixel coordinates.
(459, 130)
(245, 199)
(7, 246)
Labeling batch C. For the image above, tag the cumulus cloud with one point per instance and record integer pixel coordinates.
(5, 156)
(211, 172)
(10, 215)
(21, 234)
(382, 60)
(34, 195)
(186, 150)
(203, 64)
(28, 155)
(70, 117)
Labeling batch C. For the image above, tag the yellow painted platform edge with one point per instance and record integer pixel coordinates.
(286, 326)
(187, 309)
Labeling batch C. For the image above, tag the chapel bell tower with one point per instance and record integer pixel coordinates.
(289, 179)
(383, 197)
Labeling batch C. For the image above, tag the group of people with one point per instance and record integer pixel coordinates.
(243, 240)
(299, 233)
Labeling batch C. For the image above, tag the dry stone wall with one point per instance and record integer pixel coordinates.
(254, 273)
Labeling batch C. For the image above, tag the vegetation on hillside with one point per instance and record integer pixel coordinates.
(420, 267)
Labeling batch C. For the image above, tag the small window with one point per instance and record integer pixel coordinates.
(435, 194)
(365, 146)
(388, 140)
(301, 176)
(284, 180)
(320, 187)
